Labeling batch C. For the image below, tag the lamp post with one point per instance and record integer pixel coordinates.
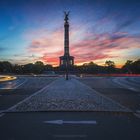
(67, 75)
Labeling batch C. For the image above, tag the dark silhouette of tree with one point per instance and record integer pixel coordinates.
(38, 67)
(17, 69)
(6, 67)
(127, 67)
(136, 67)
(91, 68)
(110, 63)
(28, 68)
(48, 67)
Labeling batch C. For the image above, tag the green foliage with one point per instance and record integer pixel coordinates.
(110, 66)
(131, 67)
(38, 67)
(6, 67)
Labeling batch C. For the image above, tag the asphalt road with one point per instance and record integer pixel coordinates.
(55, 126)
(72, 125)
(12, 84)
(125, 90)
(15, 91)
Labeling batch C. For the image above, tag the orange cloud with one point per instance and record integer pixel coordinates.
(51, 58)
(94, 47)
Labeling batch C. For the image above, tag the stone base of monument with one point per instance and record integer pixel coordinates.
(71, 95)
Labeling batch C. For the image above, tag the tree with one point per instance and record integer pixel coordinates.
(6, 67)
(136, 67)
(39, 63)
(38, 67)
(28, 68)
(110, 63)
(110, 66)
(48, 67)
(127, 67)
(17, 69)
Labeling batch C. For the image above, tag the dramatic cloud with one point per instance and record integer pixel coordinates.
(99, 30)
(51, 58)
(94, 48)
(50, 43)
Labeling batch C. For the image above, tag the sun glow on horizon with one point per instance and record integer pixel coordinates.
(33, 31)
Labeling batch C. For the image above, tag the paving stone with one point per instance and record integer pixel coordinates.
(71, 95)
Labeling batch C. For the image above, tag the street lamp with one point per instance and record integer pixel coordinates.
(67, 77)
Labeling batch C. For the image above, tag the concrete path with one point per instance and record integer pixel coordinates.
(71, 95)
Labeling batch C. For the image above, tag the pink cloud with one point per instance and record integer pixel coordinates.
(95, 47)
(48, 43)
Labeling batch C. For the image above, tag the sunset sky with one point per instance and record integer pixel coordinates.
(100, 30)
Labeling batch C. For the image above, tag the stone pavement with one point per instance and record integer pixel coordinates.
(71, 95)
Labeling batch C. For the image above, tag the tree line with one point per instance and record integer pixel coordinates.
(37, 68)
(130, 67)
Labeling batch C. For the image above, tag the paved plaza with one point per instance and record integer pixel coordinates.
(40, 107)
(71, 95)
